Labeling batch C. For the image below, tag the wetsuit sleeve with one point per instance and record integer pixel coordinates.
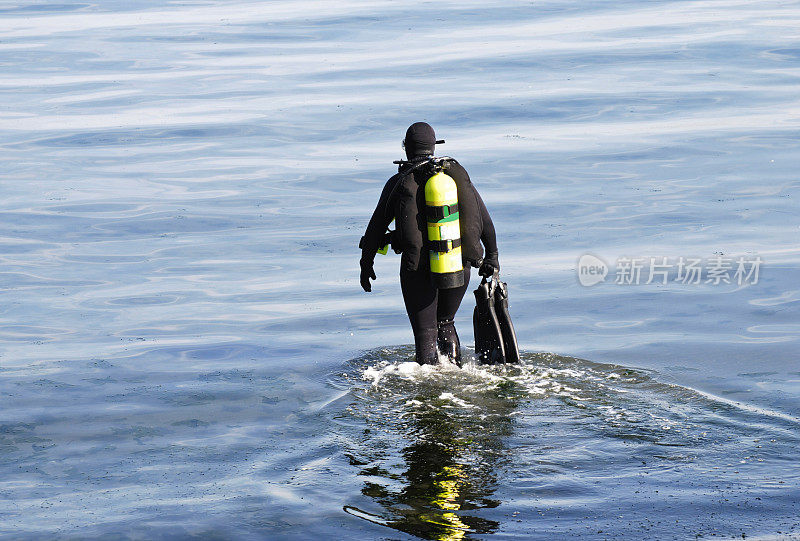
(488, 236)
(378, 224)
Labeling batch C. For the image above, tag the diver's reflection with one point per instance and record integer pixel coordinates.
(451, 469)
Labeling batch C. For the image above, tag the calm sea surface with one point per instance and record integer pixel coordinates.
(185, 351)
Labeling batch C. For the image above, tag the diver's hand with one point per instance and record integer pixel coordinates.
(367, 272)
(490, 265)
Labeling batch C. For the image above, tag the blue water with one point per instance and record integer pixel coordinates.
(185, 351)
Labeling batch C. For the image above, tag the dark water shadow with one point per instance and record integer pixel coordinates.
(429, 460)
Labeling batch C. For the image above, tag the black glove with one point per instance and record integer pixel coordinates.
(489, 266)
(367, 272)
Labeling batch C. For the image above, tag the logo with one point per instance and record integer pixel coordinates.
(663, 271)
(591, 270)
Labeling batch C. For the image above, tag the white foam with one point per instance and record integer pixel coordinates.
(450, 397)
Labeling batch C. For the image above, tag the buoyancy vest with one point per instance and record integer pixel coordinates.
(408, 202)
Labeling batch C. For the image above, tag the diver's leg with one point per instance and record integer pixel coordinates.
(447, 337)
(448, 342)
(420, 298)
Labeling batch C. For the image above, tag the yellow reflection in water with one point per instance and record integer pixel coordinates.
(450, 468)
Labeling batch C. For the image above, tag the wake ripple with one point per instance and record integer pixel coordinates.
(440, 449)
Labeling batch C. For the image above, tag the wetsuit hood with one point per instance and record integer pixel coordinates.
(420, 140)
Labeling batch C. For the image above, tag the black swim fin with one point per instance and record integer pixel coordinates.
(489, 347)
(510, 345)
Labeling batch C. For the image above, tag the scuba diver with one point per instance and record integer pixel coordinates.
(441, 222)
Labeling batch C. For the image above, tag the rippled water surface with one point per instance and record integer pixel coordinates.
(185, 350)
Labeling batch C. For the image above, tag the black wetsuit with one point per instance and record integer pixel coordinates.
(430, 310)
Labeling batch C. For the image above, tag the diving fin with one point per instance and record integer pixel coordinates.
(504, 319)
(489, 347)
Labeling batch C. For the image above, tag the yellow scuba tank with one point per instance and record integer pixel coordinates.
(444, 233)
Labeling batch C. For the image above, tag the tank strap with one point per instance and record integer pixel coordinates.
(443, 245)
(405, 168)
(440, 213)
